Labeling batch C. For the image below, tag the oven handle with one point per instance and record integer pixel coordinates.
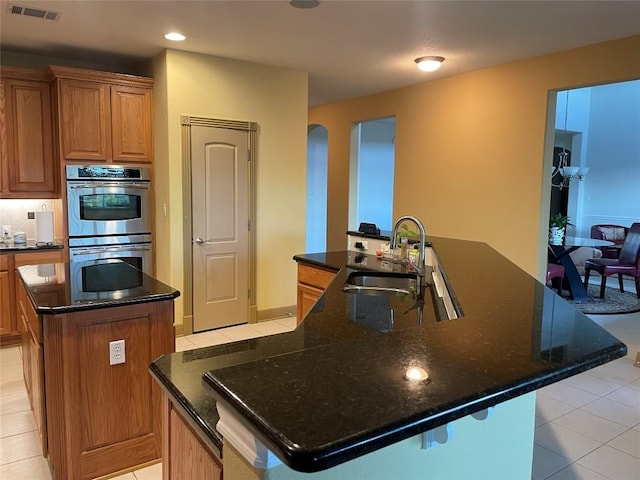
(111, 249)
(102, 185)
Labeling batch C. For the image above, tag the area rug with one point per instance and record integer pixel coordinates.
(614, 302)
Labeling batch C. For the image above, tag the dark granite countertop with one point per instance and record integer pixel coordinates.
(57, 288)
(334, 389)
(30, 245)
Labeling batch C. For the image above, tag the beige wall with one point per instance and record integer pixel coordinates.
(274, 98)
(470, 149)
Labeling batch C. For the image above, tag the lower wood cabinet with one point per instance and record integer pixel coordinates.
(33, 363)
(312, 282)
(10, 327)
(104, 418)
(185, 454)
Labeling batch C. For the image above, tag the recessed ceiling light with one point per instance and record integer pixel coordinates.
(429, 64)
(304, 3)
(175, 36)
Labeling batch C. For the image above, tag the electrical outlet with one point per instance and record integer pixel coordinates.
(361, 244)
(31, 215)
(116, 352)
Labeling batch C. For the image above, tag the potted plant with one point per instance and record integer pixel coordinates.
(558, 224)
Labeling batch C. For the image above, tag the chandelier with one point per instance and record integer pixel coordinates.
(567, 173)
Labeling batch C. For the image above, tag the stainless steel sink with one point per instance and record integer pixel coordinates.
(376, 283)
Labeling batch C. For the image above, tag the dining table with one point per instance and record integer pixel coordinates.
(560, 254)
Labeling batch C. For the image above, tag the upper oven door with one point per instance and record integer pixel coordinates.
(108, 208)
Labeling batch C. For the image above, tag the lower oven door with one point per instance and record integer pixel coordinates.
(137, 254)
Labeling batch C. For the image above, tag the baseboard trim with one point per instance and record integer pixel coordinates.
(178, 328)
(182, 329)
(273, 313)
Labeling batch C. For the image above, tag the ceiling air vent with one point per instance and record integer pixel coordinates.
(34, 12)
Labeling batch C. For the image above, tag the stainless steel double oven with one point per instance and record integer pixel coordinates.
(109, 214)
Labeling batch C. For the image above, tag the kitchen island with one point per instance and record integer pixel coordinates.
(335, 396)
(89, 332)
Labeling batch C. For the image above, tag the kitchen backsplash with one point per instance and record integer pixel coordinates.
(14, 213)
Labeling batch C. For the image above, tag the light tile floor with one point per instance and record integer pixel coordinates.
(587, 426)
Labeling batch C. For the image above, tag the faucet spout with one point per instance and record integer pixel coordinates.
(420, 225)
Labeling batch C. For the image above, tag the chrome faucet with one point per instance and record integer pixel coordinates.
(394, 241)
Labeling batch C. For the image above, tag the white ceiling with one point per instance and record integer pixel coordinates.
(349, 48)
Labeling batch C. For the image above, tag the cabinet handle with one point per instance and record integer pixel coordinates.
(199, 241)
(109, 250)
(118, 185)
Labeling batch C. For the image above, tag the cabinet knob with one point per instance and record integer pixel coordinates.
(199, 241)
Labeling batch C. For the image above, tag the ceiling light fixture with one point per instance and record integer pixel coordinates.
(566, 172)
(175, 36)
(429, 64)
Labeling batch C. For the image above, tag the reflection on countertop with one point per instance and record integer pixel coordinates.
(66, 287)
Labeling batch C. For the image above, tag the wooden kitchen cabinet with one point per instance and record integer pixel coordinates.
(312, 282)
(33, 362)
(11, 329)
(103, 117)
(185, 454)
(104, 418)
(6, 327)
(28, 168)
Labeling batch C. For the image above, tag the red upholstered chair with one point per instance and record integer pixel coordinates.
(613, 233)
(627, 264)
(555, 271)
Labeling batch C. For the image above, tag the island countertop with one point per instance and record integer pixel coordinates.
(58, 288)
(334, 389)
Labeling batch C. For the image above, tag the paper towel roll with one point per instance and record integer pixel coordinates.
(44, 227)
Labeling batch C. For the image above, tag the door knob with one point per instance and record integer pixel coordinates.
(199, 241)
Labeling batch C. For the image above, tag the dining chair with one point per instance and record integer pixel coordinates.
(627, 264)
(613, 233)
(555, 271)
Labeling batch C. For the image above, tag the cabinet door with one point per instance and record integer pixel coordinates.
(6, 326)
(307, 298)
(37, 392)
(188, 458)
(131, 124)
(29, 169)
(26, 352)
(84, 120)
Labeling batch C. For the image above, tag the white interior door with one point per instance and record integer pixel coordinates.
(220, 227)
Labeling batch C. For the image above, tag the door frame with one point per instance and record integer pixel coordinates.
(251, 128)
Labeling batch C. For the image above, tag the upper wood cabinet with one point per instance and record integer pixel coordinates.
(28, 168)
(103, 117)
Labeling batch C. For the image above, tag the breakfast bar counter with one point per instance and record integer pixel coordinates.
(340, 388)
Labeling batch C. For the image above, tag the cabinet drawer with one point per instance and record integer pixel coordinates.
(38, 258)
(315, 276)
